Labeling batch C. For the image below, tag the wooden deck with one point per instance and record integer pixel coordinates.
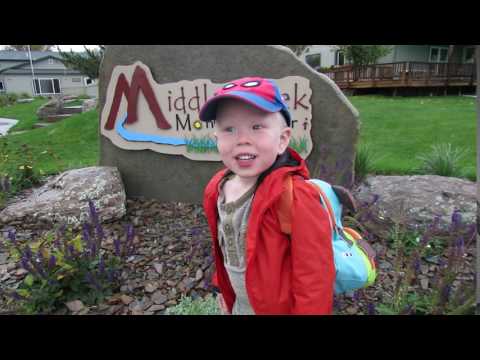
(404, 74)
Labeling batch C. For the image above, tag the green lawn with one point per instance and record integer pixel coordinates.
(398, 129)
(74, 141)
(25, 113)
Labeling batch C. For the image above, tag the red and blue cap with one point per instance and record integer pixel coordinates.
(261, 93)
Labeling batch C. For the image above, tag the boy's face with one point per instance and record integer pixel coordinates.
(249, 139)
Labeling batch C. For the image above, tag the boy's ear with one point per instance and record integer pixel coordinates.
(285, 136)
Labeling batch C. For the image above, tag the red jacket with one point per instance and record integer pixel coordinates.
(283, 276)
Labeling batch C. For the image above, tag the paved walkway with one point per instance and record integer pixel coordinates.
(6, 124)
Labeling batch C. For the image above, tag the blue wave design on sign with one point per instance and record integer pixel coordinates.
(133, 136)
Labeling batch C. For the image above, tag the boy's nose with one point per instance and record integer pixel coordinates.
(243, 137)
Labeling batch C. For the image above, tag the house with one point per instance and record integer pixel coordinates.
(422, 68)
(50, 76)
(326, 56)
(322, 56)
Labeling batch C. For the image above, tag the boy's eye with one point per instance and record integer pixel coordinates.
(228, 129)
(257, 127)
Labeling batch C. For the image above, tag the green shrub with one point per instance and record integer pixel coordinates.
(62, 267)
(365, 160)
(199, 306)
(443, 160)
(25, 95)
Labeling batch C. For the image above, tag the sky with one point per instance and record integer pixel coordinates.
(68, 47)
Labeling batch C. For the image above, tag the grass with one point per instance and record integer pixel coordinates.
(25, 113)
(397, 130)
(74, 141)
(400, 129)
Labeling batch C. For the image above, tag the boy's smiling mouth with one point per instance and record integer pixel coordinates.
(245, 156)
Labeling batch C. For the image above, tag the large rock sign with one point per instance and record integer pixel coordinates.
(149, 102)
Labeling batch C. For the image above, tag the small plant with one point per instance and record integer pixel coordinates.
(24, 95)
(199, 306)
(62, 267)
(299, 145)
(201, 145)
(365, 160)
(444, 297)
(443, 160)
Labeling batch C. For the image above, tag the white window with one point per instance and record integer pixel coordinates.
(50, 61)
(469, 55)
(88, 81)
(314, 60)
(2, 86)
(46, 86)
(438, 54)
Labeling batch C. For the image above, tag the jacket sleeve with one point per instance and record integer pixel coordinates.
(313, 269)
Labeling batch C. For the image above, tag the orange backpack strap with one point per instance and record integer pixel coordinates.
(285, 206)
(325, 200)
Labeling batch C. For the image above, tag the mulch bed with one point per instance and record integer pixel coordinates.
(173, 258)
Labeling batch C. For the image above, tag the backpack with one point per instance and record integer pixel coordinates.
(354, 258)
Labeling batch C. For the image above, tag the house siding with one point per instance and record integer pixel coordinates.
(328, 54)
(23, 83)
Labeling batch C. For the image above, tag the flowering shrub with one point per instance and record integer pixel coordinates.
(62, 267)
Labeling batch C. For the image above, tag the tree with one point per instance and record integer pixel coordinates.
(364, 54)
(297, 49)
(32, 47)
(87, 63)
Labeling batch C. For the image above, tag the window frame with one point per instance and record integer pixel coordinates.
(439, 48)
(3, 88)
(40, 86)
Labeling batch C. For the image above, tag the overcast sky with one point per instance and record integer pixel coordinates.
(67, 47)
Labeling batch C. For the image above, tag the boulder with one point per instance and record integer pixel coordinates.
(417, 200)
(52, 107)
(64, 199)
(89, 104)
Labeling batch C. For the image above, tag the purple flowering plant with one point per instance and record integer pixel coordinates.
(62, 266)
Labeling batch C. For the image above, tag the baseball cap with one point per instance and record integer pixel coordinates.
(261, 93)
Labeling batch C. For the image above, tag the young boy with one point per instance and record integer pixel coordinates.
(260, 269)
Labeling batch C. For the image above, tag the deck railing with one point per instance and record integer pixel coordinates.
(403, 73)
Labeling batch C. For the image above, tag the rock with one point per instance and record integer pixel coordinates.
(89, 104)
(64, 200)
(75, 306)
(158, 298)
(3, 258)
(171, 283)
(158, 267)
(52, 107)
(199, 275)
(151, 287)
(137, 306)
(220, 63)
(416, 200)
(21, 272)
(155, 308)
(126, 299)
(424, 283)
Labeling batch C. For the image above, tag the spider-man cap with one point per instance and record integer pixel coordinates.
(262, 93)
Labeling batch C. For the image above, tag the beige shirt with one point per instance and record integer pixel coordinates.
(232, 229)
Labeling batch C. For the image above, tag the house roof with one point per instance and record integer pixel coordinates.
(37, 56)
(9, 55)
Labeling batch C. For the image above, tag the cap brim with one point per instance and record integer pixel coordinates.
(209, 110)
